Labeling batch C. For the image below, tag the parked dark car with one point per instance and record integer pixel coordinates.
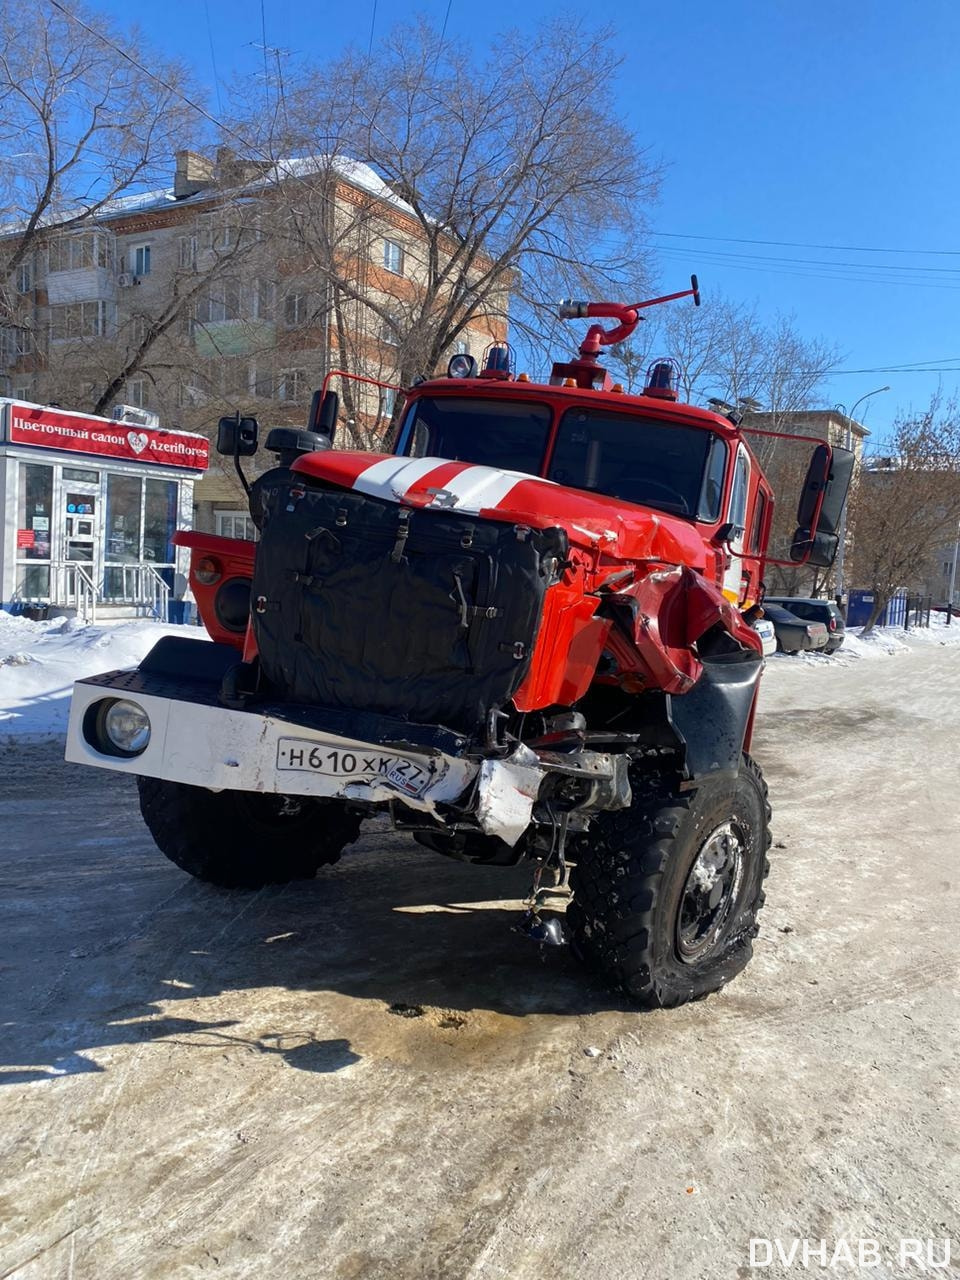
(796, 635)
(824, 611)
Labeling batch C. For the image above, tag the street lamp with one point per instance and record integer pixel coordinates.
(847, 444)
(953, 577)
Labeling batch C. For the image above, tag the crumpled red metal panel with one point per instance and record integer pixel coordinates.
(671, 609)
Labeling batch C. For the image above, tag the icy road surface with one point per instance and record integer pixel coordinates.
(371, 1076)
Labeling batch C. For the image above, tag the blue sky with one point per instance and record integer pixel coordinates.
(814, 123)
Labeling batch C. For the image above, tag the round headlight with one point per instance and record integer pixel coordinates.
(127, 727)
(208, 571)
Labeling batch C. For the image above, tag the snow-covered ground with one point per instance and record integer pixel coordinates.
(40, 660)
(883, 642)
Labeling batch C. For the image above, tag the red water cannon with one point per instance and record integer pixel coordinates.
(584, 371)
(628, 315)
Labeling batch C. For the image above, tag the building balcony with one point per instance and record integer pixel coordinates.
(234, 337)
(83, 284)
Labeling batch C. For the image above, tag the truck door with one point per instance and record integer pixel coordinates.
(733, 583)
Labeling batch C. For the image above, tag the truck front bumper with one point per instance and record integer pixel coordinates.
(362, 757)
(195, 740)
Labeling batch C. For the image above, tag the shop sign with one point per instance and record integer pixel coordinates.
(79, 433)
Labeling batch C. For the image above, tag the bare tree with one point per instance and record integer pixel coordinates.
(507, 184)
(907, 504)
(81, 125)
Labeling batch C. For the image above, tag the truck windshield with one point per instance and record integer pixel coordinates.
(511, 435)
(639, 459)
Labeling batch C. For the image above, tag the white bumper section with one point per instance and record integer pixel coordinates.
(221, 749)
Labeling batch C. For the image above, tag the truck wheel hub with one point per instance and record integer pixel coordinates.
(710, 893)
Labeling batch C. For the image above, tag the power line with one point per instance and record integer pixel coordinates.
(213, 57)
(263, 37)
(841, 274)
(446, 18)
(827, 262)
(800, 244)
(373, 23)
(152, 75)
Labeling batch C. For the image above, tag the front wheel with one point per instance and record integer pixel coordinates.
(244, 839)
(666, 893)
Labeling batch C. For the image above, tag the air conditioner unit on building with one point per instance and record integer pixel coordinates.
(135, 416)
(125, 279)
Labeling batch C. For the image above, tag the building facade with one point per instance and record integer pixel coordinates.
(237, 288)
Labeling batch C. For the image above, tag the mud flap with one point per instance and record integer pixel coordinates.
(711, 720)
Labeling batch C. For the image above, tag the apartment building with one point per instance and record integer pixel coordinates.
(237, 288)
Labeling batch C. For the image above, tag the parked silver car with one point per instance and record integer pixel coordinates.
(796, 635)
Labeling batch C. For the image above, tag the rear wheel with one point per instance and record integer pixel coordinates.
(243, 839)
(666, 893)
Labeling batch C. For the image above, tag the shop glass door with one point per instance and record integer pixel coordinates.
(79, 531)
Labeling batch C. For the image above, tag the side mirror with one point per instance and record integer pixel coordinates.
(829, 474)
(237, 437)
(324, 410)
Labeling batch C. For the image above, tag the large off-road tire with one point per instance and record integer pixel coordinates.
(242, 839)
(666, 893)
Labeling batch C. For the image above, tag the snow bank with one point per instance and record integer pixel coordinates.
(39, 662)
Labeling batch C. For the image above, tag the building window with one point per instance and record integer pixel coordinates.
(222, 302)
(80, 320)
(140, 258)
(264, 300)
(159, 520)
(292, 385)
(294, 309)
(77, 252)
(22, 390)
(236, 524)
(187, 251)
(461, 347)
(25, 277)
(390, 330)
(190, 397)
(388, 398)
(15, 343)
(218, 232)
(393, 257)
(34, 511)
(136, 393)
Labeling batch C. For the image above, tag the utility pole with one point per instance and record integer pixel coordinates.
(841, 549)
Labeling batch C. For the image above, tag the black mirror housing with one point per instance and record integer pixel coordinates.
(829, 473)
(821, 550)
(237, 437)
(324, 410)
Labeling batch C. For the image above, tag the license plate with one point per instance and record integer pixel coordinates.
(334, 762)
